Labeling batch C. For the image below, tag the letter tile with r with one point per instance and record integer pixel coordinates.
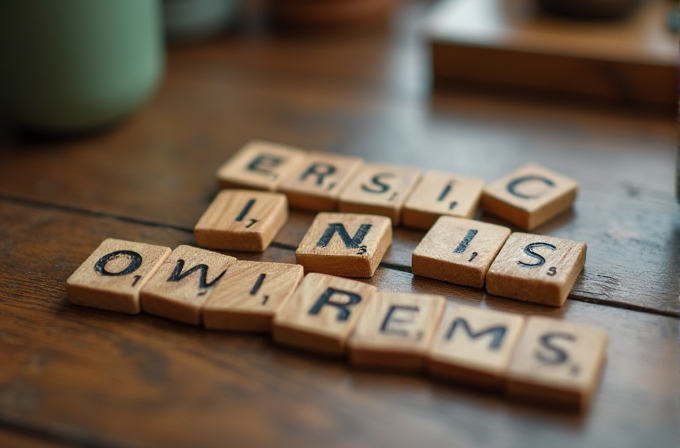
(345, 244)
(316, 184)
(322, 314)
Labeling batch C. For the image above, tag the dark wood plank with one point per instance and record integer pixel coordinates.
(26, 439)
(102, 378)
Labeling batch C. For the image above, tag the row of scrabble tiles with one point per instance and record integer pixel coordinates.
(537, 359)
(534, 268)
(526, 197)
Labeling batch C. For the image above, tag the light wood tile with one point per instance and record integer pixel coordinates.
(250, 294)
(530, 196)
(458, 250)
(182, 284)
(395, 331)
(557, 363)
(114, 274)
(345, 244)
(242, 220)
(536, 268)
(260, 165)
(322, 314)
(317, 183)
(441, 194)
(474, 346)
(379, 189)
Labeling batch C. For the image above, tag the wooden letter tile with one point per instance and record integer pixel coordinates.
(322, 314)
(183, 283)
(242, 220)
(345, 244)
(458, 250)
(113, 275)
(259, 165)
(250, 294)
(557, 363)
(379, 189)
(535, 268)
(439, 194)
(529, 196)
(474, 346)
(395, 331)
(317, 183)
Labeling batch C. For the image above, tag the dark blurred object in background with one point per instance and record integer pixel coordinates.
(75, 66)
(592, 9)
(331, 13)
(194, 20)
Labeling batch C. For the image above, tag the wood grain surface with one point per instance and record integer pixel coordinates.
(74, 376)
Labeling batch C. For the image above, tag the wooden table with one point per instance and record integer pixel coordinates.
(82, 377)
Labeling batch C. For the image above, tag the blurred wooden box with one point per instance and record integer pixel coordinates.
(510, 43)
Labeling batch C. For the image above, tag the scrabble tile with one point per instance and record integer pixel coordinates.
(242, 220)
(536, 268)
(474, 346)
(458, 250)
(322, 314)
(529, 196)
(113, 275)
(317, 183)
(345, 244)
(379, 189)
(260, 165)
(557, 363)
(250, 294)
(441, 194)
(395, 330)
(182, 284)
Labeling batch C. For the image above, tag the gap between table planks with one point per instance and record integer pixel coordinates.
(60, 361)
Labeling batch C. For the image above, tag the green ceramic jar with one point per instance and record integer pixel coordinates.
(76, 65)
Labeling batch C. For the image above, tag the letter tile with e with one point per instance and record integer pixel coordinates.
(345, 244)
(260, 165)
(536, 268)
(474, 346)
(529, 196)
(322, 314)
(114, 274)
(395, 330)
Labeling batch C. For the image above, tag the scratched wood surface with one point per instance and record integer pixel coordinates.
(77, 376)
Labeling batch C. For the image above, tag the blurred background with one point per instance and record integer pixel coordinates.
(76, 66)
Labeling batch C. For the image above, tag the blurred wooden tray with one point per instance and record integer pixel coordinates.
(510, 43)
